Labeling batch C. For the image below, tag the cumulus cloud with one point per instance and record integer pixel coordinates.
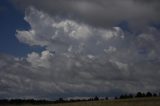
(62, 35)
(40, 60)
(101, 13)
(75, 76)
(80, 60)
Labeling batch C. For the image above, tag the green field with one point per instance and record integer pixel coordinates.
(125, 102)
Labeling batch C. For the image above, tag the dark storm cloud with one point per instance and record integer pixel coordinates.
(101, 13)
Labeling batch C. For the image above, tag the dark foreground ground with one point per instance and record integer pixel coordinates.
(153, 101)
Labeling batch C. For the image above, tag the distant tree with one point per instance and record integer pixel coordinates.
(3, 101)
(122, 97)
(115, 97)
(125, 96)
(139, 94)
(106, 98)
(130, 96)
(96, 98)
(90, 99)
(155, 95)
(60, 100)
(143, 95)
(149, 94)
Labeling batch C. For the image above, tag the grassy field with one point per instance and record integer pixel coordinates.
(125, 102)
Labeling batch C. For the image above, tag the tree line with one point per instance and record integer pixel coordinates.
(138, 95)
(61, 100)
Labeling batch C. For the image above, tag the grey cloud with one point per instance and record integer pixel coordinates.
(65, 35)
(123, 70)
(74, 74)
(101, 13)
(79, 58)
(127, 59)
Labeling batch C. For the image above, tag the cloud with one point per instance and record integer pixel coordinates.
(40, 60)
(80, 60)
(100, 13)
(74, 76)
(62, 35)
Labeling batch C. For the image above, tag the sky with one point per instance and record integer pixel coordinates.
(78, 48)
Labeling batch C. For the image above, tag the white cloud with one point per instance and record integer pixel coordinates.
(60, 35)
(42, 60)
(111, 49)
(114, 33)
